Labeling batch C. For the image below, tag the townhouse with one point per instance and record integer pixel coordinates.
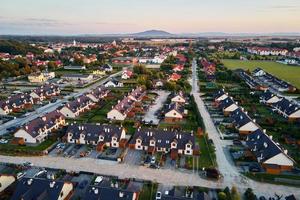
(265, 51)
(258, 72)
(287, 109)
(78, 77)
(175, 112)
(269, 98)
(243, 123)
(158, 140)
(45, 92)
(98, 93)
(96, 134)
(15, 103)
(37, 188)
(75, 67)
(78, 106)
(220, 95)
(268, 153)
(120, 111)
(6, 181)
(251, 82)
(228, 106)
(37, 130)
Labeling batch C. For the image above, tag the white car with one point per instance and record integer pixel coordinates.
(158, 195)
(20, 175)
(99, 179)
(3, 141)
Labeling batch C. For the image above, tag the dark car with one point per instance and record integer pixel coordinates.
(212, 173)
(237, 142)
(83, 184)
(254, 169)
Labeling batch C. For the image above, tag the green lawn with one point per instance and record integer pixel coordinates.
(285, 72)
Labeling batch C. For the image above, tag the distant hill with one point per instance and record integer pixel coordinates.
(153, 33)
(15, 47)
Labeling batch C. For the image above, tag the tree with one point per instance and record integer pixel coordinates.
(249, 195)
(235, 195)
(27, 69)
(222, 196)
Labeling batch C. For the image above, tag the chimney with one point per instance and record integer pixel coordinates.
(264, 131)
(271, 137)
(96, 191)
(121, 194)
(29, 182)
(254, 120)
(285, 151)
(52, 184)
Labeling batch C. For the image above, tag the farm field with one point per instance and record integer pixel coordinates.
(285, 72)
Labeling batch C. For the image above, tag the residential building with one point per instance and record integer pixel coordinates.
(37, 130)
(75, 67)
(41, 77)
(98, 93)
(6, 181)
(158, 140)
(178, 98)
(78, 106)
(175, 112)
(228, 106)
(243, 123)
(120, 111)
(265, 51)
(258, 72)
(78, 77)
(127, 74)
(269, 98)
(287, 109)
(36, 188)
(96, 134)
(113, 83)
(45, 92)
(220, 95)
(272, 157)
(15, 103)
(174, 77)
(178, 68)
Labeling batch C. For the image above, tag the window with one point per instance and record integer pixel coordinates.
(61, 194)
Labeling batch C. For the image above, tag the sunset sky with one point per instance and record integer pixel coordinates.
(127, 16)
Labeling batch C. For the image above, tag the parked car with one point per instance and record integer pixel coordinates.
(153, 160)
(158, 195)
(27, 164)
(3, 141)
(212, 173)
(254, 168)
(237, 142)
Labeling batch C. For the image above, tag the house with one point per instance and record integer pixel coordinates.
(37, 188)
(120, 111)
(41, 77)
(124, 60)
(178, 97)
(113, 83)
(45, 92)
(37, 130)
(98, 93)
(258, 72)
(243, 123)
(220, 95)
(181, 58)
(70, 67)
(269, 98)
(99, 72)
(175, 112)
(110, 191)
(6, 181)
(251, 82)
(107, 68)
(287, 109)
(158, 140)
(181, 193)
(178, 68)
(273, 158)
(209, 69)
(127, 74)
(174, 77)
(228, 106)
(15, 103)
(96, 134)
(76, 107)
(78, 77)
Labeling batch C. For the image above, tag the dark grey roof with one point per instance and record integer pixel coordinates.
(218, 94)
(226, 103)
(17, 100)
(107, 193)
(175, 106)
(262, 146)
(46, 89)
(286, 106)
(37, 189)
(267, 95)
(163, 138)
(92, 132)
(81, 101)
(257, 70)
(239, 118)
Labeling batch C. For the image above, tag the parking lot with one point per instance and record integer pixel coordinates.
(134, 157)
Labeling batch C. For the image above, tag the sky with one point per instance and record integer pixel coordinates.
(72, 17)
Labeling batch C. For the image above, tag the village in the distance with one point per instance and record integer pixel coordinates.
(138, 118)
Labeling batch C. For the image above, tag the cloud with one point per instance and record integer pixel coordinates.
(116, 23)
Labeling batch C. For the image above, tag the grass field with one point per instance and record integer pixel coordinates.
(285, 72)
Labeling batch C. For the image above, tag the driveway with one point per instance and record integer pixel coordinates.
(133, 157)
(158, 104)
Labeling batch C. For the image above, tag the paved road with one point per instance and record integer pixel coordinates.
(50, 107)
(158, 104)
(225, 164)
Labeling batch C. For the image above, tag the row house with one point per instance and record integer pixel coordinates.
(45, 92)
(223, 101)
(175, 112)
(269, 98)
(158, 140)
(39, 188)
(287, 109)
(242, 122)
(220, 95)
(96, 134)
(98, 93)
(78, 106)
(268, 153)
(265, 51)
(123, 108)
(37, 130)
(15, 103)
(251, 82)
